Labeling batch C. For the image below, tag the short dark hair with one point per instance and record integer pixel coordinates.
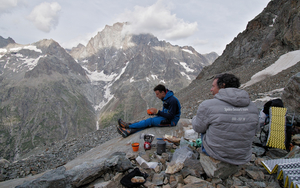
(227, 80)
(160, 88)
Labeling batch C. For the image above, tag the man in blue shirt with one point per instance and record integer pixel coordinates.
(167, 117)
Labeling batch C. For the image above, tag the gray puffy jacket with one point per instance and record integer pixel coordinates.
(229, 121)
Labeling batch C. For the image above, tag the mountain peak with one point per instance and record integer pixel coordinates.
(109, 37)
(46, 42)
(4, 42)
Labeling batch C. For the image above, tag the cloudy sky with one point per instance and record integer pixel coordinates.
(207, 25)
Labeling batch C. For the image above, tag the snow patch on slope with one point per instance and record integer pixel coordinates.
(31, 62)
(99, 76)
(107, 78)
(3, 51)
(188, 51)
(107, 97)
(284, 62)
(183, 74)
(185, 66)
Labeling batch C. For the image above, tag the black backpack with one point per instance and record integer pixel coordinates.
(270, 103)
(265, 128)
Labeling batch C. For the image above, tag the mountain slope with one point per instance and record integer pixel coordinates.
(271, 34)
(41, 98)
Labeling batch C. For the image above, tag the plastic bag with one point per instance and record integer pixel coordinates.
(140, 160)
(183, 153)
(190, 134)
(183, 143)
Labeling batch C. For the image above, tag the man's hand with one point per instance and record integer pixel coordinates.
(152, 111)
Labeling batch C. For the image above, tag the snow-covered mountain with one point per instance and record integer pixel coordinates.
(48, 95)
(125, 68)
(42, 99)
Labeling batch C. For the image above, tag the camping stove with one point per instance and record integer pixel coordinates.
(148, 138)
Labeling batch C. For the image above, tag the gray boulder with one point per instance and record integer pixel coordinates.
(81, 174)
(291, 95)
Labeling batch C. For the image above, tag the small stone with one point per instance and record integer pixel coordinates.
(192, 179)
(166, 181)
(157, 169)
(220, 186)
(258, 161)
(33, 172)
(158, 179)
(216, 181)
(107, 177)
(131, 155)
(172, 178)
(252, 158)
(237, 182)
(172, 169)
(256, 175)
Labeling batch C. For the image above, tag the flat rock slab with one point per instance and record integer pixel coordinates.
(118, 144)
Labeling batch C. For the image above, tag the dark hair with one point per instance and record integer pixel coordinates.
(160, 88)
(227, 80)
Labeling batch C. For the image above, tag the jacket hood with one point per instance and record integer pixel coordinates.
(169, 94)
(234, 96)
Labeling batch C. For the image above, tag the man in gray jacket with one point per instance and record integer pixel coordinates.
(228, 122)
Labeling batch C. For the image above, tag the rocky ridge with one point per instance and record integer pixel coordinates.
(168, 172)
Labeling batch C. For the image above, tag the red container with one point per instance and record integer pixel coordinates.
(147, 145)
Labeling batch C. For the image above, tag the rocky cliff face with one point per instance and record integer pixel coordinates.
(125, 68)
(291, 95)
(41, 98)
(269, 36)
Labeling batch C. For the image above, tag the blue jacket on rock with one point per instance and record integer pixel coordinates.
(168, 116)
(171, 108)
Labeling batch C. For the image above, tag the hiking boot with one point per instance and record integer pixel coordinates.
(123, 124)
(122, 131)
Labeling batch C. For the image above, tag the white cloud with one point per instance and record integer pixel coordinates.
(45, 16)
(7, 5)
(205, 25)
(158, 20)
